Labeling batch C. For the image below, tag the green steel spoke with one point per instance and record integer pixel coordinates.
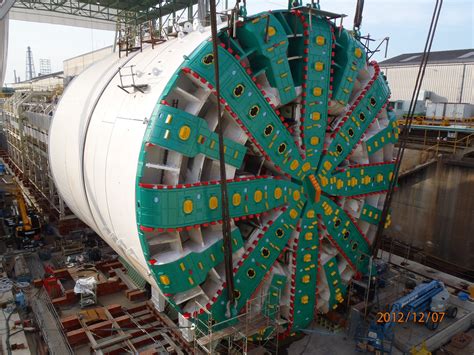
(190, 205)
(356, 122)
(250, 109)
(344, 233)
(276, 288)
(336, 287)
(370, 214)
(316, 86)
(258, 260)
(359, 180)
(265, 38)
(350, 59)
(388, 135)
(306, 270)
(192, 269)
(177, 130)
(271, 304)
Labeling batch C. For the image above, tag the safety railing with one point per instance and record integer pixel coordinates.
(48, 322)
(438, 121)
(233, 334)
(449, 147)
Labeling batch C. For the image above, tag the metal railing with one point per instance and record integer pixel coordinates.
(49, 324)
(240, 327)
(439, 121)
(132, 36)
(456, 148)
(450, 147)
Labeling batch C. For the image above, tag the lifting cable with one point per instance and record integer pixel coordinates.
(407, 125)
(224, 198)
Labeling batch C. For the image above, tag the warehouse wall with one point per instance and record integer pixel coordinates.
(75, 66)
(40, 83)
(443, 79)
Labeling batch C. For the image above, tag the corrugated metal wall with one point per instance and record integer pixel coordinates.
(468, 89)
(444, 80)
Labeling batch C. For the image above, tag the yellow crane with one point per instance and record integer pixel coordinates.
(27, 224)
(22, 210)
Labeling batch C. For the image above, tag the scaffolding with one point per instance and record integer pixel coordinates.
(27, 115)
(260, 322)
(45, 66)
(159, 29)
(114, 329)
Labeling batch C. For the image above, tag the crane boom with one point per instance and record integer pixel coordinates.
(416, 301)
(23, 211)
(16, 190)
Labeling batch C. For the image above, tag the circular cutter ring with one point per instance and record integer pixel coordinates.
(308, 151)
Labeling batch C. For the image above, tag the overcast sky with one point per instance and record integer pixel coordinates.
(406, 22)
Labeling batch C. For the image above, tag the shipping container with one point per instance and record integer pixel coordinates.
(458, 111)
(435, 110)
(449, 110)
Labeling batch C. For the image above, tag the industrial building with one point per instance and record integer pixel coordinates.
(74, 66)
(27, 111)
(449, 74)
(154, 204)
(26, 118)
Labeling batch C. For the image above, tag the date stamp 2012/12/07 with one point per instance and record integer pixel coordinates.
(416, 317)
